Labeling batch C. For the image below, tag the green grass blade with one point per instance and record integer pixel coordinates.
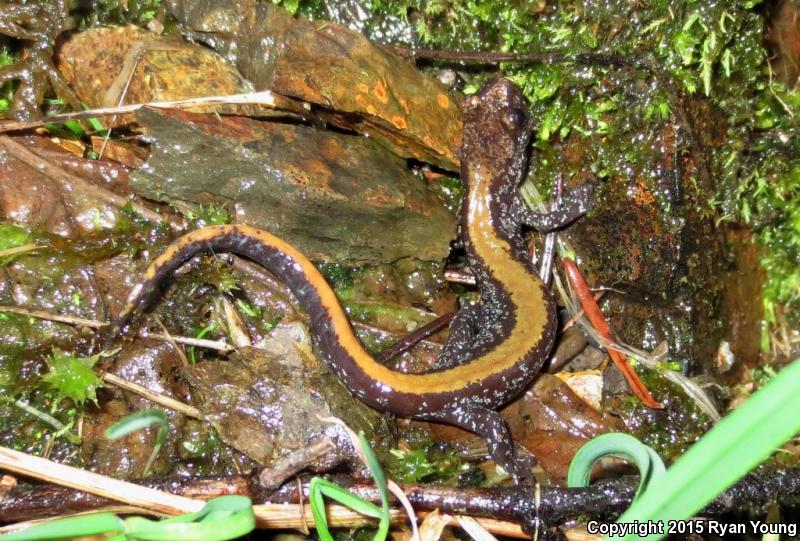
(651, 467)
(383, 488)
(226, 517)
(66, 528)
(320, 487)
(317, 503)
(741, 441)
(136, 421)
(347, 498)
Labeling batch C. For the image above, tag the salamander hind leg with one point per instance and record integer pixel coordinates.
(459, 347)
(492, 428)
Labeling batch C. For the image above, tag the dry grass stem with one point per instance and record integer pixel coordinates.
(16, 250)
(41, 314)
(94, 483)
(265, 98)
(158, 398)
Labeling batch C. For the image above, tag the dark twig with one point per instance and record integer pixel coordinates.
(417, 336)
(605, 500)
(488, 57)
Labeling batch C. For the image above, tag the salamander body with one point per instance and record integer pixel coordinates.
(495, 347)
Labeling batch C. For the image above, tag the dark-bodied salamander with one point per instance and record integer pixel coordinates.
(496, 346)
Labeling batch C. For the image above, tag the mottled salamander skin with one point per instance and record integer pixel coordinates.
(496, 347)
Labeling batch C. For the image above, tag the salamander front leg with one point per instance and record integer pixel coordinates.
(577, 203)
(492, 428)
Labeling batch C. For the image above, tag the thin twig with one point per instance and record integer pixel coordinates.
(272, 477)
(412, 339)
(87, 481)
(266, 98)
(119, 88)
(172, 342)
(580, 313)
(41, 314)
(158, 398)
(164, 503)
(218, 345)
(94, 324)
(16, 250)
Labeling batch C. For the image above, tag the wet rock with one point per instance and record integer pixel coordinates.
(362, 86)
(156, 366)
(336, 197)
(274, 400)
(29, 197)
(650, 238)
(103, 63)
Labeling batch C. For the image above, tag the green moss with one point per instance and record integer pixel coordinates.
(119, 13)
(211, 214)
(7, 57)
(339, 276)
(424, 462)
(201, 449)
(450, 191)
(72, 377)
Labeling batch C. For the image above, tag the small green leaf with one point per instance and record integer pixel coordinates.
(72, 377)
(137, 421)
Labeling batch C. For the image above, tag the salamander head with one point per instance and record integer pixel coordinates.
(497, 127)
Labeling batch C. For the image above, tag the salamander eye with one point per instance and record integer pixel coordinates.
(514, 119)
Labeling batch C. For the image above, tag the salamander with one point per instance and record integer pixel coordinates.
(495, 346)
